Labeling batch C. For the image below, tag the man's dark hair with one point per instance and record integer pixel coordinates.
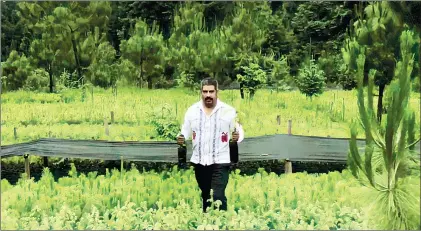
(209, 81)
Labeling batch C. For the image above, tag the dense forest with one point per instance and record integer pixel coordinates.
(50, 46)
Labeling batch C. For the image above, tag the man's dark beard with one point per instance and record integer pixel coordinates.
(208, 104)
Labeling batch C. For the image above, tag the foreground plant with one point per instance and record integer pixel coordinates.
(386, 166)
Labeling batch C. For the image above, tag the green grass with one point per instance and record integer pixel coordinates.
(171, 200)
(66, 116)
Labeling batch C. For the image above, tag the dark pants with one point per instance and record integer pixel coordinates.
(213, 177)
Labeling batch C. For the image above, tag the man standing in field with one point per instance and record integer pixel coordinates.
(209, 122)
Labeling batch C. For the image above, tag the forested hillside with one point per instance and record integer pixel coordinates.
(54, 45)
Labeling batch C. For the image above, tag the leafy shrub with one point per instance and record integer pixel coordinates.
(333, 67)
(37, 81)
(165, 123)
(102, 71)
(15, 71)
(311, 80)
(252, 77)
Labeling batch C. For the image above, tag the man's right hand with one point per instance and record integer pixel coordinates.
(180, 139)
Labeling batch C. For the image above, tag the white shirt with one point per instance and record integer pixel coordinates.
(210, 134)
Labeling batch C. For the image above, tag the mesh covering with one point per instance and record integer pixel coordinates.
(274, 147)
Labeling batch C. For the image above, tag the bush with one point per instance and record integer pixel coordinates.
(311, 80)
(332, 67)
(15, 71)
(165, 122)
(38, 81)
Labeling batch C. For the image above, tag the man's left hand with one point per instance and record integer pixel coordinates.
(235, 136)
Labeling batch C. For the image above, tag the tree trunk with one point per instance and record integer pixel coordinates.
(140, 73)
(241, 90)
(50, 73)
(380, 103)
(78, 68)
(149, 82)
(252, 92)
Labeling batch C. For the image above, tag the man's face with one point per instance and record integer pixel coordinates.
(209, 95)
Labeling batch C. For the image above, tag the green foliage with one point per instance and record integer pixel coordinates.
(15, 71)
(280, 39)
(245, 38)
(103, 72)
(146, 50)
(164, 122)
(187, 80)
(37, 81)
(319, 21)
(196, 38)
(12, 34)
(311, 79)
(416, 86)
(193, 50)
(377, 29)
(350, 52)
(329, 17)
(36, 114)
(126, 72)
(134, 200)
(253, 76)
(387, 158)
(333, 67)
(66, 81)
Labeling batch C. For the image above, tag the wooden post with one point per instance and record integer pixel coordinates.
(92, 94)
(343, 109)
(15, 133)
(45, 160)
(278, 119)
(107, 132)
(288, 166)
(112, 117)
(27, 169)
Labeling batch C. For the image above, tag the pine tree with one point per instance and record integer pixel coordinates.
(389, 155)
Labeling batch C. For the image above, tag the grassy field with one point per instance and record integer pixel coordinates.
(65, 115)
(140, 113)
(171, 200)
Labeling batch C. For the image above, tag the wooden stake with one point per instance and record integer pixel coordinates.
(112, 117)
(278, 119)
(92, 94)
(45, 160)
(107, 132)
(288, 166)
(15, 133)
(27, 169)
